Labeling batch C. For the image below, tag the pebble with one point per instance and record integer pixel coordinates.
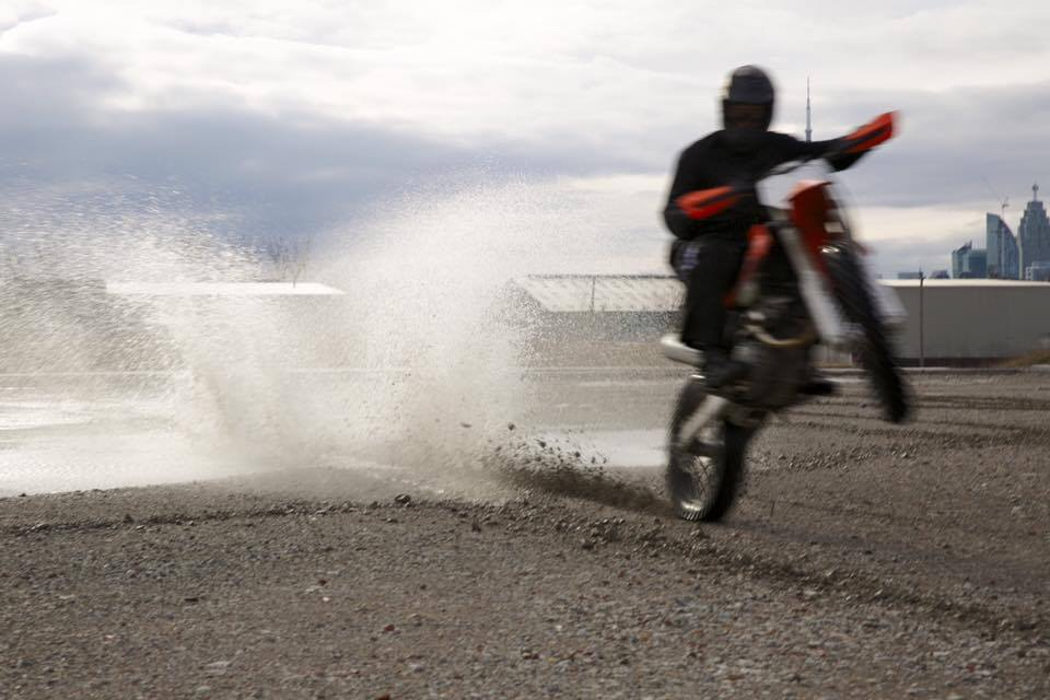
(216, 668)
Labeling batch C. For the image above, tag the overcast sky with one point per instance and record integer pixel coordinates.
(319, 118)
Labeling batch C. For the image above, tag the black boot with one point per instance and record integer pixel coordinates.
(817, 384)
(720, 370)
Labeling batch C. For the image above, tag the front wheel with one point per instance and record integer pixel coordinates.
(876, 356)
(703, 479)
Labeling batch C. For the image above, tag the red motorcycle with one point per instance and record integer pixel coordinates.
(803, 281)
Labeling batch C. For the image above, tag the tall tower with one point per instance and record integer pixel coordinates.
(809, 123)
(1034, 233)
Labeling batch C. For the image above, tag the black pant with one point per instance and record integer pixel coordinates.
(717, 267)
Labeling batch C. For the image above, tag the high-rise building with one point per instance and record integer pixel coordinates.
(969, 262)
(1038, 271)
(1034, 233)
(1004, 261)
(958, 256)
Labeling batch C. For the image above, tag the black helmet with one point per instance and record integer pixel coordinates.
(749, 85)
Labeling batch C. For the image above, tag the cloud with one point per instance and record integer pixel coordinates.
(254, 174)
(966, 147)
(275, 117)
(275, 175)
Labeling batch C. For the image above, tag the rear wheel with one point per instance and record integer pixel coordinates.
(876, 355)
(703, 479)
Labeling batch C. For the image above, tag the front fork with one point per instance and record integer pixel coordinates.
(714, 408)
(816, 294)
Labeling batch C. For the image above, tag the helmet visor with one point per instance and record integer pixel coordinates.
(740, 115)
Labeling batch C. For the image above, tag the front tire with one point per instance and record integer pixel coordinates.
(704, 479)
(876, 356)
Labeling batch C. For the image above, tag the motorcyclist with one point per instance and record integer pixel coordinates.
(707, 254)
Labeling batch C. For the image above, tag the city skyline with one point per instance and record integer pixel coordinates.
(1025, 255)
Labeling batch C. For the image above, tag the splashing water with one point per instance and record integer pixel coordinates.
(415, 365)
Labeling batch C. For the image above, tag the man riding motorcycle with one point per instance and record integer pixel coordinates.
(707, 254)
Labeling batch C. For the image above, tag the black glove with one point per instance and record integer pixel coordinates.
(838, 158)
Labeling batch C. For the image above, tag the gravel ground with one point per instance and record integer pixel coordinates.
(865, 560)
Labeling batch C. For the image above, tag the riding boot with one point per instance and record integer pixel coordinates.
(818, 384)
(720, 370)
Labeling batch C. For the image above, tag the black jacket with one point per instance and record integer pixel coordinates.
(711, 163)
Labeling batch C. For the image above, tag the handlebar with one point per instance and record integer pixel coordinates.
(703, 204)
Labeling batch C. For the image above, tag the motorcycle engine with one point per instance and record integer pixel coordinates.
(776, 371)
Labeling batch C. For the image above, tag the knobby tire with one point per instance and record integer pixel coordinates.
(718, 493)
(876, 355)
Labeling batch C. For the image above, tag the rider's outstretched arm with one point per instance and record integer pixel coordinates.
(790, 148)
(843, 152)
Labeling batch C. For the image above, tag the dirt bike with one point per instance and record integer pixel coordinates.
(803, 281)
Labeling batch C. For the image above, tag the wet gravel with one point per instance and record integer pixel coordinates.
(865, 560)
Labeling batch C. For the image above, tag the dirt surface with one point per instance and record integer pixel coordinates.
(865, 560)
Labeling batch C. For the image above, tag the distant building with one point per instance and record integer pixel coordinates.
(1034, 233)
(1004, 260)
(969, 262)
(909, 275)
(1038, 271)
(939, 275)
(959, 256)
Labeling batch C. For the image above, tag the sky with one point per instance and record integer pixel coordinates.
(316, 118)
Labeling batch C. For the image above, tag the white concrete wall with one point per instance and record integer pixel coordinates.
(973, 319)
